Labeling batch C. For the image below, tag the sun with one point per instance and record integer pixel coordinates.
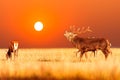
(38, 26)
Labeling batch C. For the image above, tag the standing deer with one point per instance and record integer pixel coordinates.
(87, 44)
(13, 49)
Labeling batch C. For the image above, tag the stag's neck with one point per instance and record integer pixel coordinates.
(75, 40)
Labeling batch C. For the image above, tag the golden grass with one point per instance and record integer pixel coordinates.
(60, 64)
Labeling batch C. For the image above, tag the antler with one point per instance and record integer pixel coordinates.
(80, 30)
(72, 28)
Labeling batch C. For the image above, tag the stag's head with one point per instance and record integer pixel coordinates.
(70, 35)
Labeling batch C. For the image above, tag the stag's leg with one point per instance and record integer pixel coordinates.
(78, 52)
(94, 53)
(106, 55)
(105, 52)
(109, 50)
(82, 52)
(86, 56)
(81, 56)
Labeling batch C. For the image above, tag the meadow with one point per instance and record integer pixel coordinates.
(60, 64)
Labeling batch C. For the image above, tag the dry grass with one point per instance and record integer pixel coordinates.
(60, 64)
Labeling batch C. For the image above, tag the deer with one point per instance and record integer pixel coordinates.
(87, 44)
(13, 49)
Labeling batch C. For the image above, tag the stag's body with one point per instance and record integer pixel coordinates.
(88, 44)
(91, 44)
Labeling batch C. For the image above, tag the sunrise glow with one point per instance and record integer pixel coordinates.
(38, 26)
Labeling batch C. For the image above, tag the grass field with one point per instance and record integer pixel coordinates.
(60, 64)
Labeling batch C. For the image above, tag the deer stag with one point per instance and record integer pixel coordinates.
(87, 44)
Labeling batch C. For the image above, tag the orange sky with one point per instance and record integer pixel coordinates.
(17, 18)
